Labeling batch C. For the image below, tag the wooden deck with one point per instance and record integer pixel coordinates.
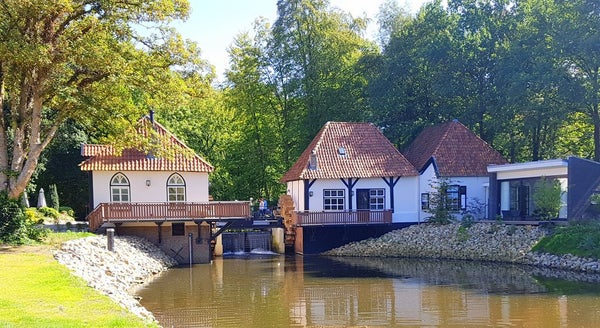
(343, 217)
(161, 212)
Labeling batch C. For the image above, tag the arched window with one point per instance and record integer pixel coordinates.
(119, 188)
(176, 188)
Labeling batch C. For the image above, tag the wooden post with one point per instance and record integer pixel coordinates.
(110, 236)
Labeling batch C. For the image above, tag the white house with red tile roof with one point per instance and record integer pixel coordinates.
(349, 184)
(353, 167)
(164, 199)
(453, 152)
(134, 176)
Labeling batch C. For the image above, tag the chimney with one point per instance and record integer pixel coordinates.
(151, 115)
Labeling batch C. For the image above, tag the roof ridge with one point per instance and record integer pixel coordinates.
(473, 134)
(370, 155)
(184, 157)
(170, 134)
(322, 133)
(443, 138)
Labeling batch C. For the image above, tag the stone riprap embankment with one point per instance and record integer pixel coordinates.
(480, 241)
(133, 261)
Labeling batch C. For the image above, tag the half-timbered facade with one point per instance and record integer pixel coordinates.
(350, 175)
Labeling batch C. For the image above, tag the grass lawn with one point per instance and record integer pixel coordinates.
(578, 238)
(37, 291)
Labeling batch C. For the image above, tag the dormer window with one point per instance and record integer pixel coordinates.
(312, 161)
(342, 151)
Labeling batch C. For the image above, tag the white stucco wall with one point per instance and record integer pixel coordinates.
(477, 190)
(296, 190)
(405, 195)
(196, 186)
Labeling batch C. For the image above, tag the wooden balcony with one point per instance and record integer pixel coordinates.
(344, 217)
(161, 212)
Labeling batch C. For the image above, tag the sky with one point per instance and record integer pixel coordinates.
(213, 24)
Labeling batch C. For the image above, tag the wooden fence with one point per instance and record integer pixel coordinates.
(156, 212)
(344, 217)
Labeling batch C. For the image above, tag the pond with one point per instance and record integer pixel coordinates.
(313, 291)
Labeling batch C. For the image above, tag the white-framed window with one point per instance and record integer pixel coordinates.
(457, 198)
(425, 201)
(377, 199)
(119, 188)
(333, 199)
(175, 188)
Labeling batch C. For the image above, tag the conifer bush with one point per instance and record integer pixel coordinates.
(54, 202)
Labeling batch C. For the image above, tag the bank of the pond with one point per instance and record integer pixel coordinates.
(479, 241)
(133, 261)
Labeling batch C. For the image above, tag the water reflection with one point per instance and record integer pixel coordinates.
(278, 291)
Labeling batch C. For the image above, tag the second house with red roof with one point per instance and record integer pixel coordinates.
(352, 183)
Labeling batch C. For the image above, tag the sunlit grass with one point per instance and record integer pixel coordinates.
(37, 291)
(579, 238)
(55, 239)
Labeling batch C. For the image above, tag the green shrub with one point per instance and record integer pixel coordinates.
(54, 203)
(579, 239)
(49, 212)
(467, 221)
(67, 210)
(13, 228)
(36, 233)
(547, 197)
(462, 233)
(33, 216)
(439, 207)
(18, 226)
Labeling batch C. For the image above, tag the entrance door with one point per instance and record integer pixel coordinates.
(523, 201)
(363, 199)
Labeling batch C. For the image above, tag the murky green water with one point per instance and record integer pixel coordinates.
(295, 291)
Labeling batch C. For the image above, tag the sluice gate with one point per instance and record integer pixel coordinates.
(247, 241)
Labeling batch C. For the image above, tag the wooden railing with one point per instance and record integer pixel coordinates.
(155, 212)
(344, 217)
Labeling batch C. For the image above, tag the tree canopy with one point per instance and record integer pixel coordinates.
(524, 75)
(82, 60)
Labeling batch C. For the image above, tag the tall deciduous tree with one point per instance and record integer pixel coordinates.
(412, 86)
(577, 31)
(257, 164)
(316, 50)
(62, 59)
(484, 29)
(530, 79)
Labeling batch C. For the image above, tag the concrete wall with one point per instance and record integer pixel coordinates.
(318, 239)
(196, 184)
(536, 172)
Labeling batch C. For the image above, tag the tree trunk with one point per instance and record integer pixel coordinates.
(596, 112)
(3, 138)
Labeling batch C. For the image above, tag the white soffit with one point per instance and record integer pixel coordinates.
(551, 167)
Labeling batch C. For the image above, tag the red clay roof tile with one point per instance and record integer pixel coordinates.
(104, 158)
(350, 150)
(457, 151)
